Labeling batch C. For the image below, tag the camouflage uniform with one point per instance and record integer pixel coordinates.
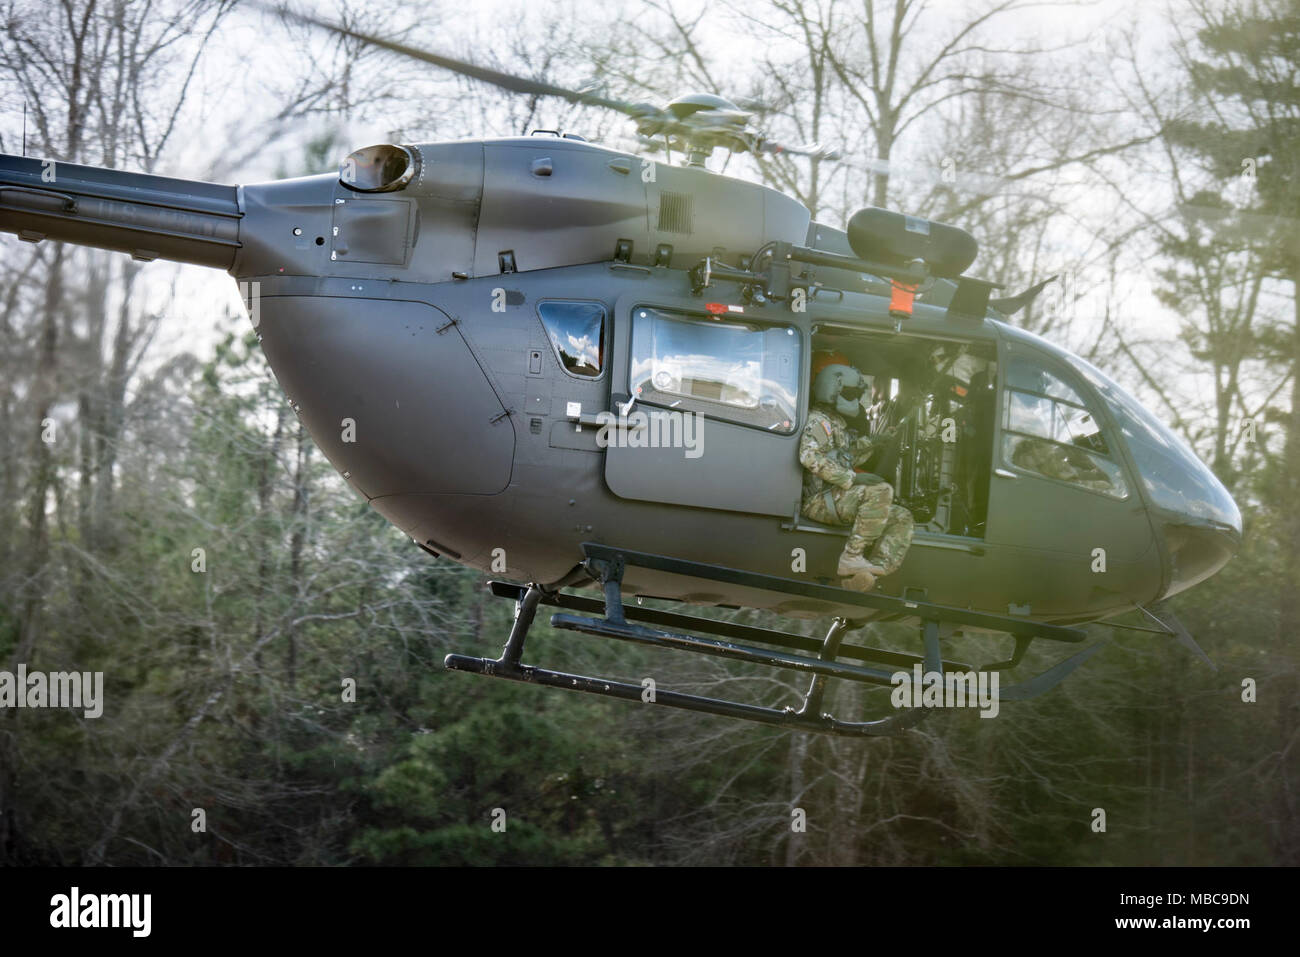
(828, 450)
(1055, 461)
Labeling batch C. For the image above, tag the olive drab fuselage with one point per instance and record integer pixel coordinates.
(417, 313)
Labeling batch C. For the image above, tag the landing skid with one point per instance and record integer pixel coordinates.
(822, 659)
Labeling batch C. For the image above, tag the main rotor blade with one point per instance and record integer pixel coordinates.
(812, 150)
(506, 81)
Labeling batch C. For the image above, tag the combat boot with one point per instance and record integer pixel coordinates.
(856, 572)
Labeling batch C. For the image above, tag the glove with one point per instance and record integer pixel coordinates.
(868, 478)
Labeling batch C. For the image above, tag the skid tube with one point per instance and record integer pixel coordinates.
(737, 642)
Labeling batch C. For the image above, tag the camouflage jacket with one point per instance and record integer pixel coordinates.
(828, 451)
(1060, 462)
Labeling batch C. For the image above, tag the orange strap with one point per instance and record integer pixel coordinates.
(900, 298)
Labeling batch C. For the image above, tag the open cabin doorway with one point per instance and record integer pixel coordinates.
(940, 397)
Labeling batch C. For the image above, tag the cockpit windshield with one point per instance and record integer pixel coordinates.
(1173, 476)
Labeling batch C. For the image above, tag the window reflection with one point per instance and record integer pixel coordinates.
(577, 334)
(1022, 373)
(1065, 464)
(1049, 431)
(1173, 475)
(1031, 414)
(738, 371)
(377, 169)
(1079, 427)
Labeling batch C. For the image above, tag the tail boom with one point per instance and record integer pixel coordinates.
(150, 217)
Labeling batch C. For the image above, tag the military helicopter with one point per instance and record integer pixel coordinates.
(580, 369)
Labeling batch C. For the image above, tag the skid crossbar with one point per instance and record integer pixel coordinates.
(902, 607)
(725, 629)
(611, 618)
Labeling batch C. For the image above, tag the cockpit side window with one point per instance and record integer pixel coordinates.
(1049, 430)
(577, 334)
(1023, 373)
(1173, 476)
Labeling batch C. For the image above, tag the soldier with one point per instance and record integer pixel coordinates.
(835, 494)
(1060, 462)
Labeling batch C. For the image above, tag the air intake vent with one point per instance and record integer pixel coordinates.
(675, 213)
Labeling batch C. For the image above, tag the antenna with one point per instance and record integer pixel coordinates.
(24, 127)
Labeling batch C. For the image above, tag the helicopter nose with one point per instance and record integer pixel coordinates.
(1199, 523)
(1196, 550)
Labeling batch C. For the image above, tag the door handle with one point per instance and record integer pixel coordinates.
(601, 419)
(1004, 473)
(620, 416)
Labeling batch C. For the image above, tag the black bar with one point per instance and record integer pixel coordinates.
(812, 700)
(813, 257)
(525, 610)
(1013, 625)
(726, 629)
(821, 257)
(785, 717)
(930, 639)
(720, 649)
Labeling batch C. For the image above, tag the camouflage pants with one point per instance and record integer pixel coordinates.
(876, 521)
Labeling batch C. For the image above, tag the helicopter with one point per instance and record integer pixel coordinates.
(587, 372)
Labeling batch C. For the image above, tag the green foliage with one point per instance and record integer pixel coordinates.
(225, 686)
